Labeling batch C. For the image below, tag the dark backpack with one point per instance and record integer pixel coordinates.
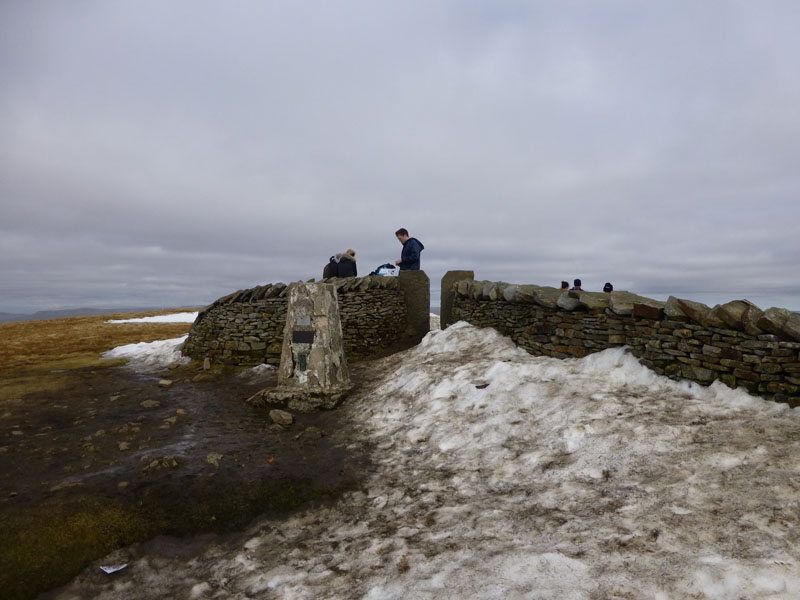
(331, 269)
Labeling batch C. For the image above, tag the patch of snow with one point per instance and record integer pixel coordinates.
(436, 322)
(151, 356)
(184, 317)
(502, 475)
(258, 372)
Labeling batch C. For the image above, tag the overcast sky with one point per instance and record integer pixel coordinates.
(167, 153)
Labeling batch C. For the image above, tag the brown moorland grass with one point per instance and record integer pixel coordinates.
(35, 354)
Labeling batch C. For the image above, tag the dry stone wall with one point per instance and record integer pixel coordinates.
(246, 327)
(736, 343)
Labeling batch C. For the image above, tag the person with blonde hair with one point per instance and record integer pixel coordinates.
(347, 264)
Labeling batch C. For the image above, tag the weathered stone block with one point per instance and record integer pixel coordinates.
(672, 309)
(570, 301)
(450, 281)
(645, 311)
(732, 313)
(730, 354)
(766, 367)
(746, 375)
(780, 322)
(696, 311)
(621, 303)
(698, 373)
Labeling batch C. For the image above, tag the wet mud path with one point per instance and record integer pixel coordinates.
(115, 458)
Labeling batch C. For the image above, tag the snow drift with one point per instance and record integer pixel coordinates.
(184, 317)
(502, 475)
(151, 356)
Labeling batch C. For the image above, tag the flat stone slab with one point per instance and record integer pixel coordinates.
(300, 400)
(621, 303)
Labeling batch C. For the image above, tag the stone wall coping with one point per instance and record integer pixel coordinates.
(737, 315)
(279, 289)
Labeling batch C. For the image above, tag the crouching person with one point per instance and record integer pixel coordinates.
(347, 264)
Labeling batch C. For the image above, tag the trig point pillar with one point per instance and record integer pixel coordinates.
(313, 371)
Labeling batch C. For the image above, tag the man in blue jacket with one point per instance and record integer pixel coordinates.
(409, 258)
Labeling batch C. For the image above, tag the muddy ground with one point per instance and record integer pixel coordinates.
(114, 458)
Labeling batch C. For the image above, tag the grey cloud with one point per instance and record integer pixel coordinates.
(654, 145)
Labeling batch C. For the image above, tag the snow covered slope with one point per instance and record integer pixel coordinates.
(183, 317)
(502, 475)
(145, 357)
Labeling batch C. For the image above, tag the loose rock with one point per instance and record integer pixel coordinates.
(213, 458)
(281, 417)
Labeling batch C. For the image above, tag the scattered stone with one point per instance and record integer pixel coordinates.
(165, 462)
(123, 484)
(13, 494)
(165, 383)
(65, 485)
(206, 364)
(171, 420)
(310, 433)
(115, 397)
(181, 411)
(100, 433)
(123, 446)
(200, 377)
(281, 417)
(150, 404)
(213, 458)
(17, 432)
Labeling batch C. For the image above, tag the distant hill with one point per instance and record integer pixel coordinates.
(4, 316)
(70, 312)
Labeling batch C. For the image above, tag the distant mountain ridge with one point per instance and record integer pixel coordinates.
(70, 312)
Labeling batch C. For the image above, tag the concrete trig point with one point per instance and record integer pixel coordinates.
(313, 371)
